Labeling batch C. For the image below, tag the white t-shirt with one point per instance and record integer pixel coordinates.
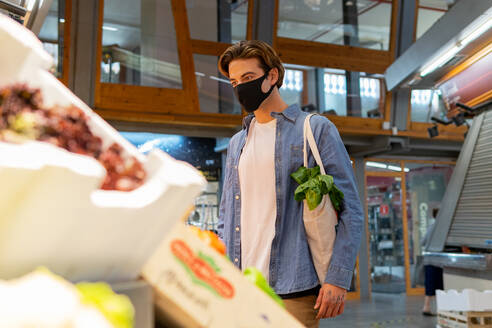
(258, 196)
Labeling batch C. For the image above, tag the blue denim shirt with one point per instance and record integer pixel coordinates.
(291, 266)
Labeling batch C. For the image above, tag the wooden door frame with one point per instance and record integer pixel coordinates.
(403, 191)
(355, 295)
(66, 42)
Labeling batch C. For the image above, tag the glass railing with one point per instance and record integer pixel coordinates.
(139, 44)
(359, 23)
(223, 21)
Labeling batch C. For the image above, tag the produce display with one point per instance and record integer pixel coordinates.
(313, 185)
(24, 118)
(42, 299)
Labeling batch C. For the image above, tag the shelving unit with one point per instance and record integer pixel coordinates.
(206, 212)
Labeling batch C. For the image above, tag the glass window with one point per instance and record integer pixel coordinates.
(218, 20)
(292, 89)
(353, 93)
(215, 92)
(426, 104)
(51, 35)
(426, 185)
(139, 44)
(343, 93)
(333, 91)
(429, 12)
(360, 23)
(385, 223)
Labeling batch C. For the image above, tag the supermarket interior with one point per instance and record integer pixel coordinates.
(143, 186)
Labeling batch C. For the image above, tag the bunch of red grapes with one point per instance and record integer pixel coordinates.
(23, 117)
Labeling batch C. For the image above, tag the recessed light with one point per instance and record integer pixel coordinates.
(109, 28)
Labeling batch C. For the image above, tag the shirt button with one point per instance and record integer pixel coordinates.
(237, 196)
(236, 260)
(237, 228)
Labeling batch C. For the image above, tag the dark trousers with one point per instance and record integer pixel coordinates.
(433, 280)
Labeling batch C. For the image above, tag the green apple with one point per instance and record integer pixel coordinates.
(116, 308)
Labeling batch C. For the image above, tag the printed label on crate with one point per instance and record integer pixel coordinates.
(202, 269)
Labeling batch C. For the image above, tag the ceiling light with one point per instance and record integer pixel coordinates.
(482, 28)
(439, 61)
(109, 28)
(62, 20)
(219, 79)
(376, 164)
(471, 33)
(406, 169)
(414, 80)
(394, 168)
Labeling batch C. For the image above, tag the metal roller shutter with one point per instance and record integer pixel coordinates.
(472, 223)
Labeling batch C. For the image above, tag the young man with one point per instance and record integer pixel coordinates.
(259, 220)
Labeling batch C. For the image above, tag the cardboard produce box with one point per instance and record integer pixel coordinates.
(195, 286)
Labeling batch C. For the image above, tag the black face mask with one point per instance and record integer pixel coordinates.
(250, 95)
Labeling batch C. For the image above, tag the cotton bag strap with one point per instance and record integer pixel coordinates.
(309, 137)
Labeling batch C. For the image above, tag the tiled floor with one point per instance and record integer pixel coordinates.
(383, 311)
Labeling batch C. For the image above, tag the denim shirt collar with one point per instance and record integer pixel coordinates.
(291, 113)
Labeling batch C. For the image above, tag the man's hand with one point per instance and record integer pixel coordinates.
(330, 302)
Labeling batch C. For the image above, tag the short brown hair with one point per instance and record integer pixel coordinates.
(266, 55)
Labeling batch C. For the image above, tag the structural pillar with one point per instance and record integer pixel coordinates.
(224, 29)
(351, 38)
(85, 31)
(364, 256)
(263, 20)
(400, 104)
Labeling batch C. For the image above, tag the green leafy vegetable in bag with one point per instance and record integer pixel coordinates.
(313, 185)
